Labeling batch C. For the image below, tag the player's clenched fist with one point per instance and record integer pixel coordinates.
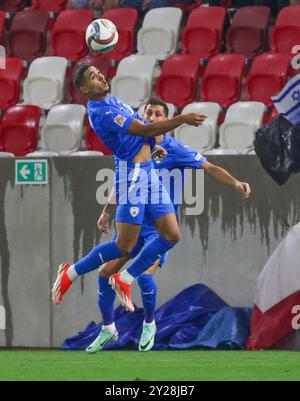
(194, 118)
(243, 188)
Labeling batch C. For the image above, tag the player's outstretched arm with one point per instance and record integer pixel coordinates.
(103, 219)
(222, 175)
(137, 127)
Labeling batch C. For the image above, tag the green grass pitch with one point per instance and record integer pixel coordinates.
(153, 365)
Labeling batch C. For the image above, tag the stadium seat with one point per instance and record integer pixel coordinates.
(134, 78)
(241, 122)
(85, 153)
(177, 83)
(27, 34)
(247, 34)
(2, 24)
(268, 74)
(49, 5)
(13, 6)
(68, 34)
(159, 34)
(203, 33)
(286, 32)
(62, 132)
(10, 79)
(44, 153)
(171, 109)
(6, 154)
(19, 130)
(221, 82)
(126, 20)
(44, 85)
(203, 137)
(100, 61)
(94, 143)
(219, 151)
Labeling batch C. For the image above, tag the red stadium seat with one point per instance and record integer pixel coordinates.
(10, 78)
(268, 74)
(93, 142)
(100, 61)
(13, 5)
(125, 19)
(222, 79)
(178, 80)
(2, 23)
(225, 3)
(27, 34)
(286, 32)
(248, 32)
(188, 7)
(204, 31)
(19, 130)
(68, 35)
(49, 5)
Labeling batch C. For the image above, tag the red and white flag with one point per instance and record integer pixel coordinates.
(277, 294)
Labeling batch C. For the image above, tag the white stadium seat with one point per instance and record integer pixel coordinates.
(85, 153)
(241, 122)
(134, 79)
(203, 137)
(6, 154)
(63, 130)
(42, 153)
(171, 108)
(159, 34)
(45, 82)
(219, 151)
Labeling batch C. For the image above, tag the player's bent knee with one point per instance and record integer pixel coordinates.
(104, 272)
(173, 237)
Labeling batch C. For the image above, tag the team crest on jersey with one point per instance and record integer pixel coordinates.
(120, 120)
(134, 211)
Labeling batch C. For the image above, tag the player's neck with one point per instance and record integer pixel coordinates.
(98, 97)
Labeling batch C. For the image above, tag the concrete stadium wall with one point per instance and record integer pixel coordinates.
(41, 226)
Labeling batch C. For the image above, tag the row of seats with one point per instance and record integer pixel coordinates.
(221, 81)
(63, 129)
(159, 34)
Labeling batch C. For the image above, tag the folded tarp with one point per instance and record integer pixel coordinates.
(188, 312)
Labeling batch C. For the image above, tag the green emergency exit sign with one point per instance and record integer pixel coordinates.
(31, 172)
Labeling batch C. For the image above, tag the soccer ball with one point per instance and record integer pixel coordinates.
(101, 35)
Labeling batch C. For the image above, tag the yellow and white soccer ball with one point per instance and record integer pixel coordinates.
(101, 35)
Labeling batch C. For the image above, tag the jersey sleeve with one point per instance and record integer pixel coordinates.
(187, 157)
(113, 120)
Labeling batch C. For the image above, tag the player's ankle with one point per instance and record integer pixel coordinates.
(126, 277)
(72, 273)
(110, 327)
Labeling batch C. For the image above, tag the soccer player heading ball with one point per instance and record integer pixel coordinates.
(132, 141)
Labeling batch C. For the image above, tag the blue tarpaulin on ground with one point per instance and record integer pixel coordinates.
(180, 323)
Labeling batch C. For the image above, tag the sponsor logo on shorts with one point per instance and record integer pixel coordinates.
(120, 120)
(134, 211)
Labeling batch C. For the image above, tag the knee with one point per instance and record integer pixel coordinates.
(104, 272)
(125, 248)
(173, 237)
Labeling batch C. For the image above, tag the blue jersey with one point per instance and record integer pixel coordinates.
(110, 119)
(179, 158)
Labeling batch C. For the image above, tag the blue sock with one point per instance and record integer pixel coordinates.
(148, 289)
(99, 255)
(106, 299)
(149, 255)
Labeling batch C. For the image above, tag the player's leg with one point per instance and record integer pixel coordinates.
(127, 235)
(148, 288)
(106, 299)
(162, 212)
